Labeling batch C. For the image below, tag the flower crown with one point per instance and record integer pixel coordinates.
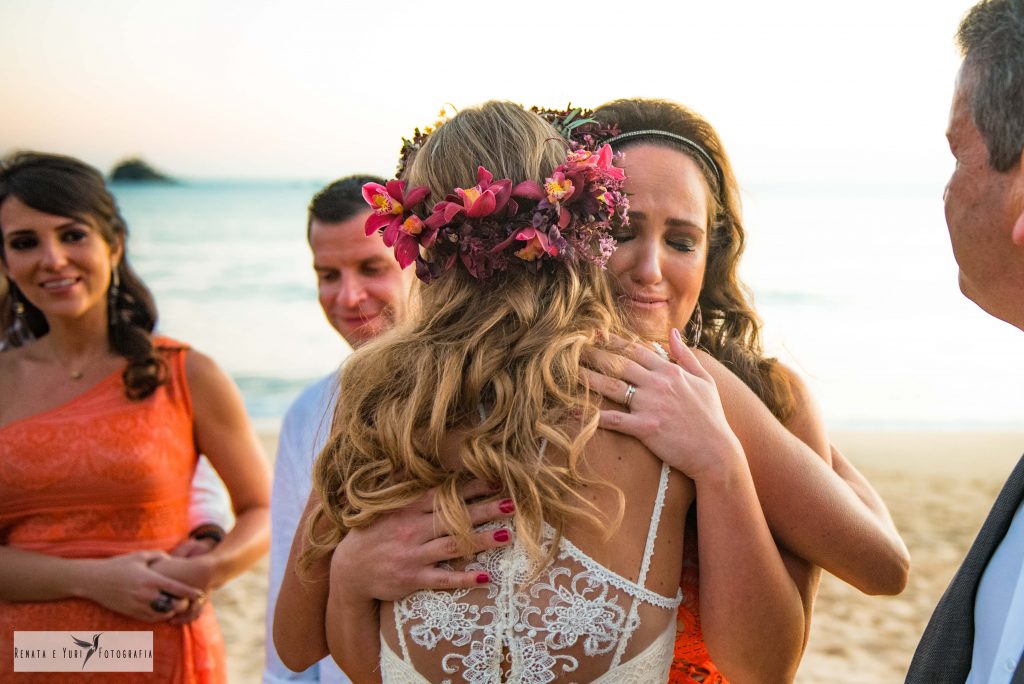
(495, 225)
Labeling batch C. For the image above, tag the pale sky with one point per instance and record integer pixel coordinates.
(320, 88)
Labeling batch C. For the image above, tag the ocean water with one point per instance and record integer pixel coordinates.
(856, 284)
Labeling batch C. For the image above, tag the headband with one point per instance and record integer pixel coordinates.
(685, 142)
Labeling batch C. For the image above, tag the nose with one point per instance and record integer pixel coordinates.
(351, 292)
(54, 256)
(647, 265)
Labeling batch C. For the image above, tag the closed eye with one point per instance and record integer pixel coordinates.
(327, 276)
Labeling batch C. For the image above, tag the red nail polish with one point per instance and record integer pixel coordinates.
(483, 578)
(507, 506)
(501, 536)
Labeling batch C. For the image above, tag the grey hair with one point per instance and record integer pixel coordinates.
(991, 40)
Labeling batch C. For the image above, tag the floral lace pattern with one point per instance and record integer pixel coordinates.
(535, 624)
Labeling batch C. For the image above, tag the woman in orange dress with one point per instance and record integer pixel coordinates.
(100, 428)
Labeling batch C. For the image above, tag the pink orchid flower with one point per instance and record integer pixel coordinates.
(600, 160)
(390, 204)
(558, 188)
(483, 199)
(537, 244)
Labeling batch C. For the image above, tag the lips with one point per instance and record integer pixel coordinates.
(644, 301)
(358, 320)
(59, 283)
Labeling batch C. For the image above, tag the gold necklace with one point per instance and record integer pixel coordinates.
(80, 373)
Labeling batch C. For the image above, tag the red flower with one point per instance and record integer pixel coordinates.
(483, 199)
(537, 244)
(600, 161)
(391, 206)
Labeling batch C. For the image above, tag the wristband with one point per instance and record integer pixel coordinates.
(208, 532)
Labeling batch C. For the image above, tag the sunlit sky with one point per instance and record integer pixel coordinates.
(319, 88)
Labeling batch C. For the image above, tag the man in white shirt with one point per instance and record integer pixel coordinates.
(363, 292)
(976, 633)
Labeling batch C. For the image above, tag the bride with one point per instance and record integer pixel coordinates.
(511, 227)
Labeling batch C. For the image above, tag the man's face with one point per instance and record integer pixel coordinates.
(362, 290)
(982, 208)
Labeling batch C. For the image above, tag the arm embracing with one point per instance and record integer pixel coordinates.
(751, 611)
(813, 511)
(298, 630)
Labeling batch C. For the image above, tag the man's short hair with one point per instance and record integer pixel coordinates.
(339, 201)
(991, 40)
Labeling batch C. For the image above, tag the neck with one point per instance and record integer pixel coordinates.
(85, 336)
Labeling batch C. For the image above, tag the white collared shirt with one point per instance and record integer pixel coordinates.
(303, 435)
(999, 610)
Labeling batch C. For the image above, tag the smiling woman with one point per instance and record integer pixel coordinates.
(100, 428)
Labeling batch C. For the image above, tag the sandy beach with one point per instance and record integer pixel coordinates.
(939, 486)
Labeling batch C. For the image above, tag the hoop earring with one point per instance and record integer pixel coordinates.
(696, 326)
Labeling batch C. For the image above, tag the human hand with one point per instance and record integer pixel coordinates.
(189, 548)
(195, 571)
(398, 554)
(128, 584)
(675, 410)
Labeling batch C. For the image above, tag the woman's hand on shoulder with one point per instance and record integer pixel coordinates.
(400, 552)
(675, 409)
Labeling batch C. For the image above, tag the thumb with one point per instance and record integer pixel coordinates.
(684, 356)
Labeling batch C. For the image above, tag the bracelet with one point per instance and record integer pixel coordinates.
(208, 532)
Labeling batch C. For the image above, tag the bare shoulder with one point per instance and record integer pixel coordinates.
(209, 385)
(201, 370)
(797, 385)
(805, 420)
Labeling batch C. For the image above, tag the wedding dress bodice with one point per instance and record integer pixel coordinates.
(572, 621)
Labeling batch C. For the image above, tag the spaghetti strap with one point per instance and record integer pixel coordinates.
(633, 621)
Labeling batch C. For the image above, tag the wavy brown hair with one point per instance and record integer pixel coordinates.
(494, 363)
(731, 329)
(64, 186)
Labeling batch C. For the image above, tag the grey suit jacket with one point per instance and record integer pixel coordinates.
(944, 654)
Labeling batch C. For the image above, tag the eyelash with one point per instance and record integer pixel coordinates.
(23, 244)
(685, 247)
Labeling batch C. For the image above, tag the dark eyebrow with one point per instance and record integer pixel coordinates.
(672, 222)
(71, 223)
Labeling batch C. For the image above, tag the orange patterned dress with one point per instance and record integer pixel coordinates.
(97, 477)
(691, 664)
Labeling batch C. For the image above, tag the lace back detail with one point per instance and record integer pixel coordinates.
(573, 616)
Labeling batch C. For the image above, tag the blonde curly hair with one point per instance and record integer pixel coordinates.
(495, 364)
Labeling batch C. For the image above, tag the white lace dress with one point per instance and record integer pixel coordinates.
(575, 622)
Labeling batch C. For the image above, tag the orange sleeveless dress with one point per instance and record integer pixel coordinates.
(97, 477)
(691, 663)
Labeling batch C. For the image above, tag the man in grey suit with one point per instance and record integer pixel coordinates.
(976, 634)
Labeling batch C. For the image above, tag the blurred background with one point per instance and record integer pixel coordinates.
(834, 115)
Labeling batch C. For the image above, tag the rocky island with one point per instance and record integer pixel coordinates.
(135, 170)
